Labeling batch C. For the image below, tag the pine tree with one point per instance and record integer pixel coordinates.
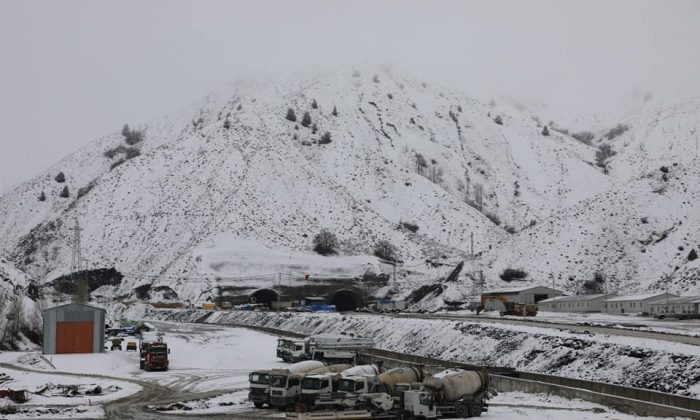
(291, 116)
(306, 119)
(60, 178)
(325, 138)
(64, 193)
(314, 104)
(545, 131)
(335, 111)
(42, 196)
(227, 123)
(314, 128)
(375, 79)
(125, 130)
(498, 120)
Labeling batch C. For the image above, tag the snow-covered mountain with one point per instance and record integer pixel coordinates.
(232, 174)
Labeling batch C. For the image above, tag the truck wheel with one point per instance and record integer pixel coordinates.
(461, 411)
(258, 404)
(475, 410)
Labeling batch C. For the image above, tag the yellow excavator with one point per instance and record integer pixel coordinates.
(511, 308)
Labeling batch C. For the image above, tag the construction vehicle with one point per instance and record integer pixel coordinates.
(284, 348)
(506, 307)
(449, 394)
(153, 352)
(317, 385)
(259, 392)
(208, 306)
(285, 387)
(331, 348)
(351, 387)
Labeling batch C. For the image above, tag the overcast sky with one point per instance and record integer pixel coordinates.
(72, 71)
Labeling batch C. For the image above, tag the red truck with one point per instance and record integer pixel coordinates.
(154, 354)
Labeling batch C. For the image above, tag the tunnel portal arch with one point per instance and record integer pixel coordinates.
(266, 296)
(346, 300)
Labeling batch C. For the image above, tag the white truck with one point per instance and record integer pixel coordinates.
(448, 394)
(284, 348)
(317, 385)
(259, 391)
(332, 348)
(285, 386)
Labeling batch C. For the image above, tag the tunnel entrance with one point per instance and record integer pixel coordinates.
(266, 296)
(346, 300)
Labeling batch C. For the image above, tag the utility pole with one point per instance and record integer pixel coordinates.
(76, 258)
(472, 239)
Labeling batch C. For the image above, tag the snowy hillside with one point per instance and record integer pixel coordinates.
(639, 231)
(19, 315)
(380, 155)
(400, 151)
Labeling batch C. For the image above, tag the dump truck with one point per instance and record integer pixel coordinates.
(331, 348)
(259, 392)
(448, 394)
(285, 387)
(154, 351)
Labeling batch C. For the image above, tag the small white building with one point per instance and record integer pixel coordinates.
(633, 303)
(684, 305)
(524, 294)
(575, 303)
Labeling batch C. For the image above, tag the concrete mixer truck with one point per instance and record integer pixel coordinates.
(285, 386)
(448, 394)
(457, 393)
(259, 391)
(325, 385)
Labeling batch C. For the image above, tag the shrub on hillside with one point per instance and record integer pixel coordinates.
(60, 178)
(291, 116)
(335, 111)
(375, 79)
(325, 138)
(314, 128)
(64, 193)
(594, 286)
(314, 104)
(42, 196)
(545, 131)
(306, 119)
(513, 274)
(498, 120)
(410, 226)
(385, 250)
(602, 155)
(131, 137)
(325, 243)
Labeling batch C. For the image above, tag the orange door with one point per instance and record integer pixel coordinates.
(74, 337)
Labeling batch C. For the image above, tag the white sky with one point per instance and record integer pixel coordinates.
(72, 71)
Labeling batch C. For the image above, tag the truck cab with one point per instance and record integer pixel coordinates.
(284, 347)
(355, 384)
(259, 392)
(285, 389)
(419, 403)
(298, 352)
(154, 356)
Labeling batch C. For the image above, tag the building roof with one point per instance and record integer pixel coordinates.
(643, 296)
(680, 299)
(515, 289)
(574, 298)
(81, 305)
